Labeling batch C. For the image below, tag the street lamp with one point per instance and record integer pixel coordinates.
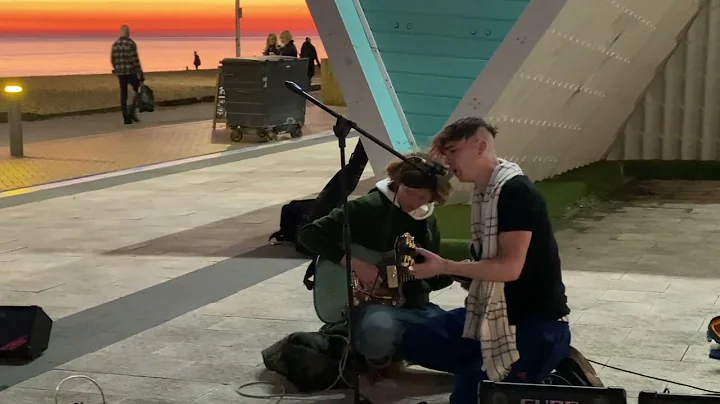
(238, 16)
(13, 93)
(13, 89)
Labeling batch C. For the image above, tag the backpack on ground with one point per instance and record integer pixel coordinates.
(293, 215)
(145, 99)
(311, 361)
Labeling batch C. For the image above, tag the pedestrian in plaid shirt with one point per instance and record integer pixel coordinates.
(126, 66)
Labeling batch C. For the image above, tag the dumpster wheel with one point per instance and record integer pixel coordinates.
(296, 132)
(236, 135)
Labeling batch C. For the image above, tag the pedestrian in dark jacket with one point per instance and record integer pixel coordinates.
(288, 45)
(196, 61)
(308, 51)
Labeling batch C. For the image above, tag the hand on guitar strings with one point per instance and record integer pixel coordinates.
(431, 265)
(366, 273)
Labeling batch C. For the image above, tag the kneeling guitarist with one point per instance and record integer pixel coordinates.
(401, 203)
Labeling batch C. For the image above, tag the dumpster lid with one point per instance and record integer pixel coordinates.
(257, 59)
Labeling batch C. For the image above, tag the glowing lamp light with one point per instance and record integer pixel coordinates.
(13, 89)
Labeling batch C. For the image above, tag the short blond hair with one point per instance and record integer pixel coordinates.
(286, 37)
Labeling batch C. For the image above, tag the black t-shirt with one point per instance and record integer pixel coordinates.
(539, 293)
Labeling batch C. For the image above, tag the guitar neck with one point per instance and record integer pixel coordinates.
(382, 259)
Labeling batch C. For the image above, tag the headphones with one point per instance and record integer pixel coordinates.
(418, 172)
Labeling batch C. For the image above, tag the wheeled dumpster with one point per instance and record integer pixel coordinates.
(256, 99)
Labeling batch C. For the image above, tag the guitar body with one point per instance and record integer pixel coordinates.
(330, 290)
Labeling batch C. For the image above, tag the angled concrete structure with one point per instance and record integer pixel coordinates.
(559, 77)
(678, 117)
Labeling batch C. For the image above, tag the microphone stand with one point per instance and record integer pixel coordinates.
(342, 129)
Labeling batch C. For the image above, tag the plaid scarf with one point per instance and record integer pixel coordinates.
(486, 320)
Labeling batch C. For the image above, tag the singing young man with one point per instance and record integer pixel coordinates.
(514, 325)
(394, 207)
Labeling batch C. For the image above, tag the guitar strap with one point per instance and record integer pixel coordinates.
(309, 274)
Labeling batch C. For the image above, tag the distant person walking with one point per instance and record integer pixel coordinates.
(288, 45)
(126, 66)
(308, 51)
(196, 61)
(272, 47)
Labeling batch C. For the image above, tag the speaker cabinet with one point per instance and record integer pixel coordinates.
(515, 393)
(24, 332)
(651, 397)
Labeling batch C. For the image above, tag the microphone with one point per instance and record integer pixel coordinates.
(294, 87)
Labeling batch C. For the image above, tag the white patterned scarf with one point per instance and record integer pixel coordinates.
(487, 320)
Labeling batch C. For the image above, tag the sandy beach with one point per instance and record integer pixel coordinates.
(52, 95)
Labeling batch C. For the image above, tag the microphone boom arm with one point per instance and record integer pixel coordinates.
(295, 88)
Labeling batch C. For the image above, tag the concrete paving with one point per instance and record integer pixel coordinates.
(74, 147)
(86, 125)
(148, 301)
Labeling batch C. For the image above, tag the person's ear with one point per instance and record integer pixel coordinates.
(481, 146)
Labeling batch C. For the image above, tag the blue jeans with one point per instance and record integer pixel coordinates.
(437, 344)
(380, 328)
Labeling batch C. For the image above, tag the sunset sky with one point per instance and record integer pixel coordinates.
(150, 17)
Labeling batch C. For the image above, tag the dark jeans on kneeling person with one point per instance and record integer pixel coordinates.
(437, 344)
(380, 328)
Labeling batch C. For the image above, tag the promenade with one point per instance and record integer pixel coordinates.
(164, 290)
(71, 147)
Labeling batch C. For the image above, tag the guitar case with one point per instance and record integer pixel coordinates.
(296, 214)
(331, 197)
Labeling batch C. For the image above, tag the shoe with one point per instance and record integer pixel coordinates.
(713, 336)
(713, 330)
(128, 122)
(577, 371)
(377, 369)
(134, 118)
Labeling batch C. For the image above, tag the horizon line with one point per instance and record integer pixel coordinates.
(148, 35)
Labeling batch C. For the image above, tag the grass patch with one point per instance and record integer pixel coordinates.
(54, 95)
(672, 170)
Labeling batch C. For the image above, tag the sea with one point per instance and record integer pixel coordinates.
(22, 57)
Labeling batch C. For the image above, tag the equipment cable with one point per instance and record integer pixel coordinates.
(655, 378)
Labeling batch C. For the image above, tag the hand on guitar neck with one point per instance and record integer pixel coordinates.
(406, 252)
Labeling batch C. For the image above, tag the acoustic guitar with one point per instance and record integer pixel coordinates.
(330, 290)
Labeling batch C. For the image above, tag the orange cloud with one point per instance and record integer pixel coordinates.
(195, 17)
